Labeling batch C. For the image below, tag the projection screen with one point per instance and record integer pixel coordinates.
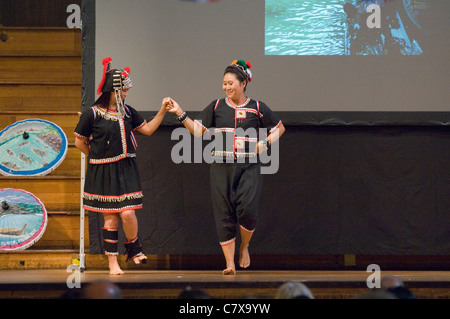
(331, 57)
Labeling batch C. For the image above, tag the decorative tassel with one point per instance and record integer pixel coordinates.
(120, 105)
(127, 69)
(105, 62)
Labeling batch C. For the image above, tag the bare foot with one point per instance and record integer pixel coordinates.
(114, 268)
(140, 258)
(116, 272)
(244, 257)
(229, 271)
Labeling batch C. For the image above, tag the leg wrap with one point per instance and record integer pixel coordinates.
(134, 249)
(110, 240)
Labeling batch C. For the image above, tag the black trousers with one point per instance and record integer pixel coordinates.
(235, 191)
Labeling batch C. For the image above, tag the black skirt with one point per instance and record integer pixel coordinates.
(113, 187)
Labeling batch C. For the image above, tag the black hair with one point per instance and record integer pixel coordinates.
(103, 100)
(239, 74)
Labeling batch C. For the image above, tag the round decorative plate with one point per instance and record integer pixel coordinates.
(23, 219)
(32, 147)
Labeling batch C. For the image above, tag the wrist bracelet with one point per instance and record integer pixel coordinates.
(182, 117)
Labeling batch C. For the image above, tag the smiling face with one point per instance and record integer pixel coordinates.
(233, 87)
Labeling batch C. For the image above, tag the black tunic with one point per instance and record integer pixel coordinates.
(112, 182)
(239, 124)
(236, 180)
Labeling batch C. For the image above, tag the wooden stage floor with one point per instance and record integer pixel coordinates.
(163, 284)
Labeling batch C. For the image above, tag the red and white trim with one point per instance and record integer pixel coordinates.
(80, 136)
(230, 104)
(112, 210)
(133, 138)
(112, 116)
(120, 198)
(251, 111)
(224, 129)
(137, 128)
(228, 242)
(245, 229)
(204, 128)
(217, 103)
(275, 127)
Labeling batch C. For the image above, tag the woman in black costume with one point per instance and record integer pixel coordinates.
(112, 185)
(235, 175)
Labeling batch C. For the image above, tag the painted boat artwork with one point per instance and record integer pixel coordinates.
(23, 219)
(31, 147)
(13, 231)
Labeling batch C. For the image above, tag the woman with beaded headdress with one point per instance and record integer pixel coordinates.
(112, 184)
(235, 174)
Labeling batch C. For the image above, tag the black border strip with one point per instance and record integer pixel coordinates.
(340, 118)
(88, 54)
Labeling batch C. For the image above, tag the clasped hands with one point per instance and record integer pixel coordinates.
(172, 106)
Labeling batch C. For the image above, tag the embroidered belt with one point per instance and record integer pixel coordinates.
(111, 159)
(232, 154)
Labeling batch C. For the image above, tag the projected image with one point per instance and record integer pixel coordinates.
(344, 27)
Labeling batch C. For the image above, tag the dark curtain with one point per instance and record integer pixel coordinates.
(377, 190)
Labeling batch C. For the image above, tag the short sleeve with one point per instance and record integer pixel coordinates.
(84, 127)
(268, 118)
(136, 118)
(206, 117)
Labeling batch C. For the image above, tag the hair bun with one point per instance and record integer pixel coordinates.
(244, 67)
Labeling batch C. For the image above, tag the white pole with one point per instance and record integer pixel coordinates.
(83, 175)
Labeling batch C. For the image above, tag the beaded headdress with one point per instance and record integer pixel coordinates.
(115, 80)
(243, 67)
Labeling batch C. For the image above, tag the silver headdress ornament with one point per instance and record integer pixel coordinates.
(116, 81)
